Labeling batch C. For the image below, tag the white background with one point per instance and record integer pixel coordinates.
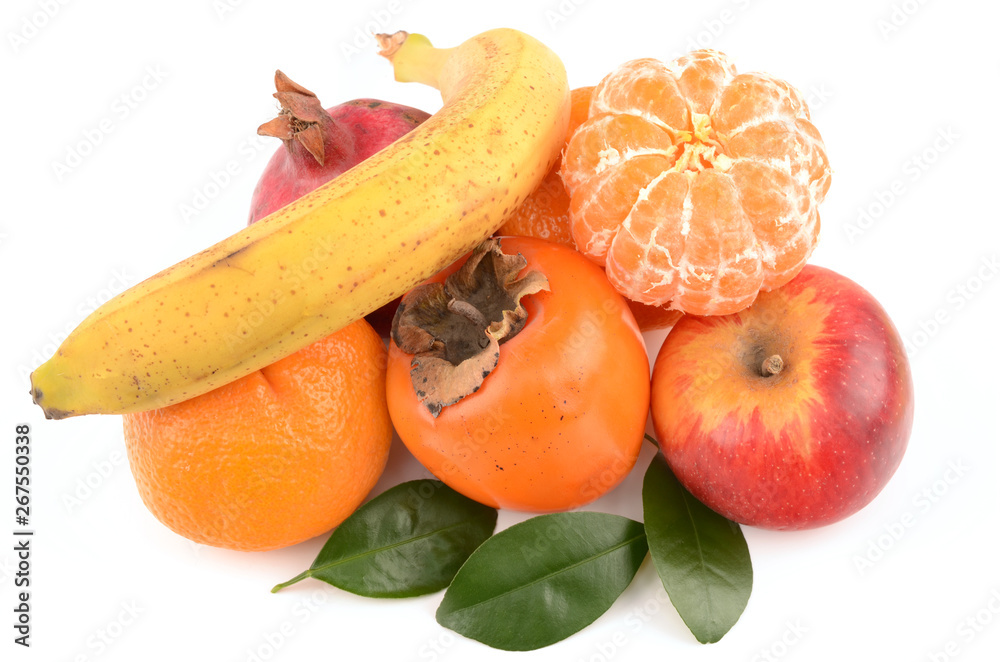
(905, 96)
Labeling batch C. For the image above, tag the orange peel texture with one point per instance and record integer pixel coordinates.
(694, 186)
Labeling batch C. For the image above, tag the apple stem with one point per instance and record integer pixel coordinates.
(772, 365)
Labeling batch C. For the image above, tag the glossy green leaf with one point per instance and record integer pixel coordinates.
(701, 557)
(539, 581)
(410, 540)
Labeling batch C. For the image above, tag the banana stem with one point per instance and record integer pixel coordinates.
(414, 59)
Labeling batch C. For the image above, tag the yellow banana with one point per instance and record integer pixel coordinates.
(337, 253)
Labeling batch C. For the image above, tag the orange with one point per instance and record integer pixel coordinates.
(545, 214)
(694, 186)
(650, 318)
(277, 457)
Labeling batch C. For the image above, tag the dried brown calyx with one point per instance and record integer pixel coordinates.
(454, 329)
(301, 118)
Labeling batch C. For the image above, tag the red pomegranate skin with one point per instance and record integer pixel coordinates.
(359, 128)
(320, 144)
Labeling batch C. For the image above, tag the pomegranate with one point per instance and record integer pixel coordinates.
(320, 144)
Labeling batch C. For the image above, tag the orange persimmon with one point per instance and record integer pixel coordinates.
(538, 403)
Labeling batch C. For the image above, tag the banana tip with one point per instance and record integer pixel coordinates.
(37, 397)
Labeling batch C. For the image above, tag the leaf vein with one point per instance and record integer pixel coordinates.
(385, 548)
(577, 564)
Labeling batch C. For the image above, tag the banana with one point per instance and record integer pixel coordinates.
(338, 253)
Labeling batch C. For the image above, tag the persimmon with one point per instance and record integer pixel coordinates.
(520, 378)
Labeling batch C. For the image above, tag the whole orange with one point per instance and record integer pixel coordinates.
(546, 214)
(277, 457)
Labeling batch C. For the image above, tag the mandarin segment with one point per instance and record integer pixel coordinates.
(607, 197)
(796, 148)
(774, 203)
(752, 98)
(642, 266)
(644, 88)
(731, 206)
(819, 165)
(721, 260)
(657, 256)
(607, 140)
(702, 75)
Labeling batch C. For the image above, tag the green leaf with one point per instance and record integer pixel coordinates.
(701, 557)
(538, 582)
(410, 540)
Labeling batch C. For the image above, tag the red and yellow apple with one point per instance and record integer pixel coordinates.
(791, 414)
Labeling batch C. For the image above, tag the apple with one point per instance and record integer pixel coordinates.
(791, 414)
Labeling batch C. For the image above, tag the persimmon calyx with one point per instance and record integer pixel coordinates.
(454, 329)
